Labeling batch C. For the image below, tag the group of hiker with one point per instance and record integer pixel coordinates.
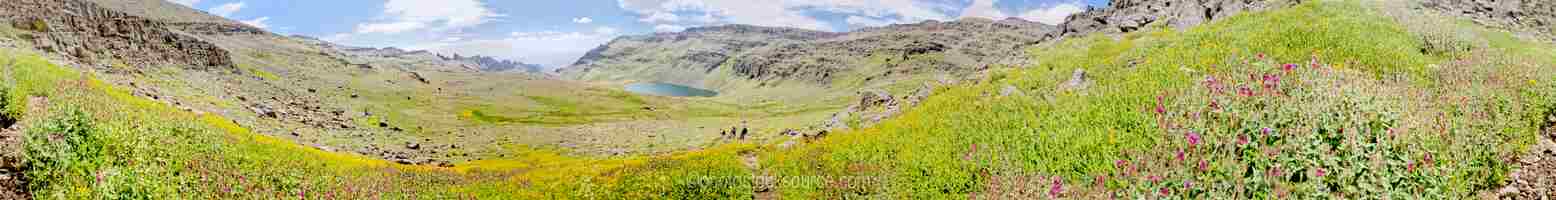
(735, 132)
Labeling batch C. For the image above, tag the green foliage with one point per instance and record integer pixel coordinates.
(66, 145)
(968, 141)
(39, 25)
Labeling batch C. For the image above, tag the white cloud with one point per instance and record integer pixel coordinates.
(706, 19)
(583, 20)
(547, 48)
(605, 30)
(1053, 15)
(785, 13)
(390, 28)
(858, 21)
(408, 15)
(668, 28)
(258, 22)
(227, 9)
(190, 3)
(660, 17)
(984, 9)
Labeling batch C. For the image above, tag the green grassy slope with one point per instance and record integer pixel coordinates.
(1356, 71)
(1367, 109)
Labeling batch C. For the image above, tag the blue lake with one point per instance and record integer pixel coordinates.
(666, 89)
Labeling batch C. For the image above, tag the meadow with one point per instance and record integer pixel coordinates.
(1322, 100)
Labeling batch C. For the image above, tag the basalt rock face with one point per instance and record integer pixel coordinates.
(696, 50)
(955, 46)
(1538, 16)
(90, 33)
(1122, 16)
(784, 54)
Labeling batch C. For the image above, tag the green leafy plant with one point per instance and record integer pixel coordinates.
(66, 145)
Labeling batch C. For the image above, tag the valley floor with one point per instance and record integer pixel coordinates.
(1326, 99)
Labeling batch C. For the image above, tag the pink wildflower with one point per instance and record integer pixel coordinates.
(1288, 67)
(1242, 140)
(1261, 56)
(1193, 138)
(1154, 178)
(1244, 91)
(1058, 187)
(1180, 155)
(1188, 184)
(1320, 172)
(1266, 131)
(1165, 192)
(1271, 82)
(1212, 84)
(1204, 165)
(1160, 109)
(973, 149)
(1314, 62)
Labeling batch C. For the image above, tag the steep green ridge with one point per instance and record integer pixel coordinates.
(1369, 103)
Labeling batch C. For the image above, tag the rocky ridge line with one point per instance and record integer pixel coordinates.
(1123, 16)
(1537, 16)
(89, 33)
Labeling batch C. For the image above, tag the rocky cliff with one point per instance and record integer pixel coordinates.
(94, 34)
(1537, 16)
(779, 54)
(1122, 16)
(769, 54)
(671, 57)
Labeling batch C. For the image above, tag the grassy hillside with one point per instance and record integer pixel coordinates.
(1322, 100)
(1214, 112)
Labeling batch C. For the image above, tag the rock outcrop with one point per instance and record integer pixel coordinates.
(1538, 16)
(774, 55)
(490, 64)
(90, 33)
(683, 57)
(1123, 16)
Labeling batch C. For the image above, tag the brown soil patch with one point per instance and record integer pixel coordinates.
(1536, 174)
(12, 185)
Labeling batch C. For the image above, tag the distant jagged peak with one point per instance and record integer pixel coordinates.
(492, 64)
(964, 24)
(743, 30)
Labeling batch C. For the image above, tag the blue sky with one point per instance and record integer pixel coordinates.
(556, 32)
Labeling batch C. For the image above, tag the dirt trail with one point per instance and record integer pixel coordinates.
(1536, 174)
(763, 184)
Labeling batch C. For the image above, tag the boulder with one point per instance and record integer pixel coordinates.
(1010, 90)
(874, 98)
(264, 111)
(1078, 80)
